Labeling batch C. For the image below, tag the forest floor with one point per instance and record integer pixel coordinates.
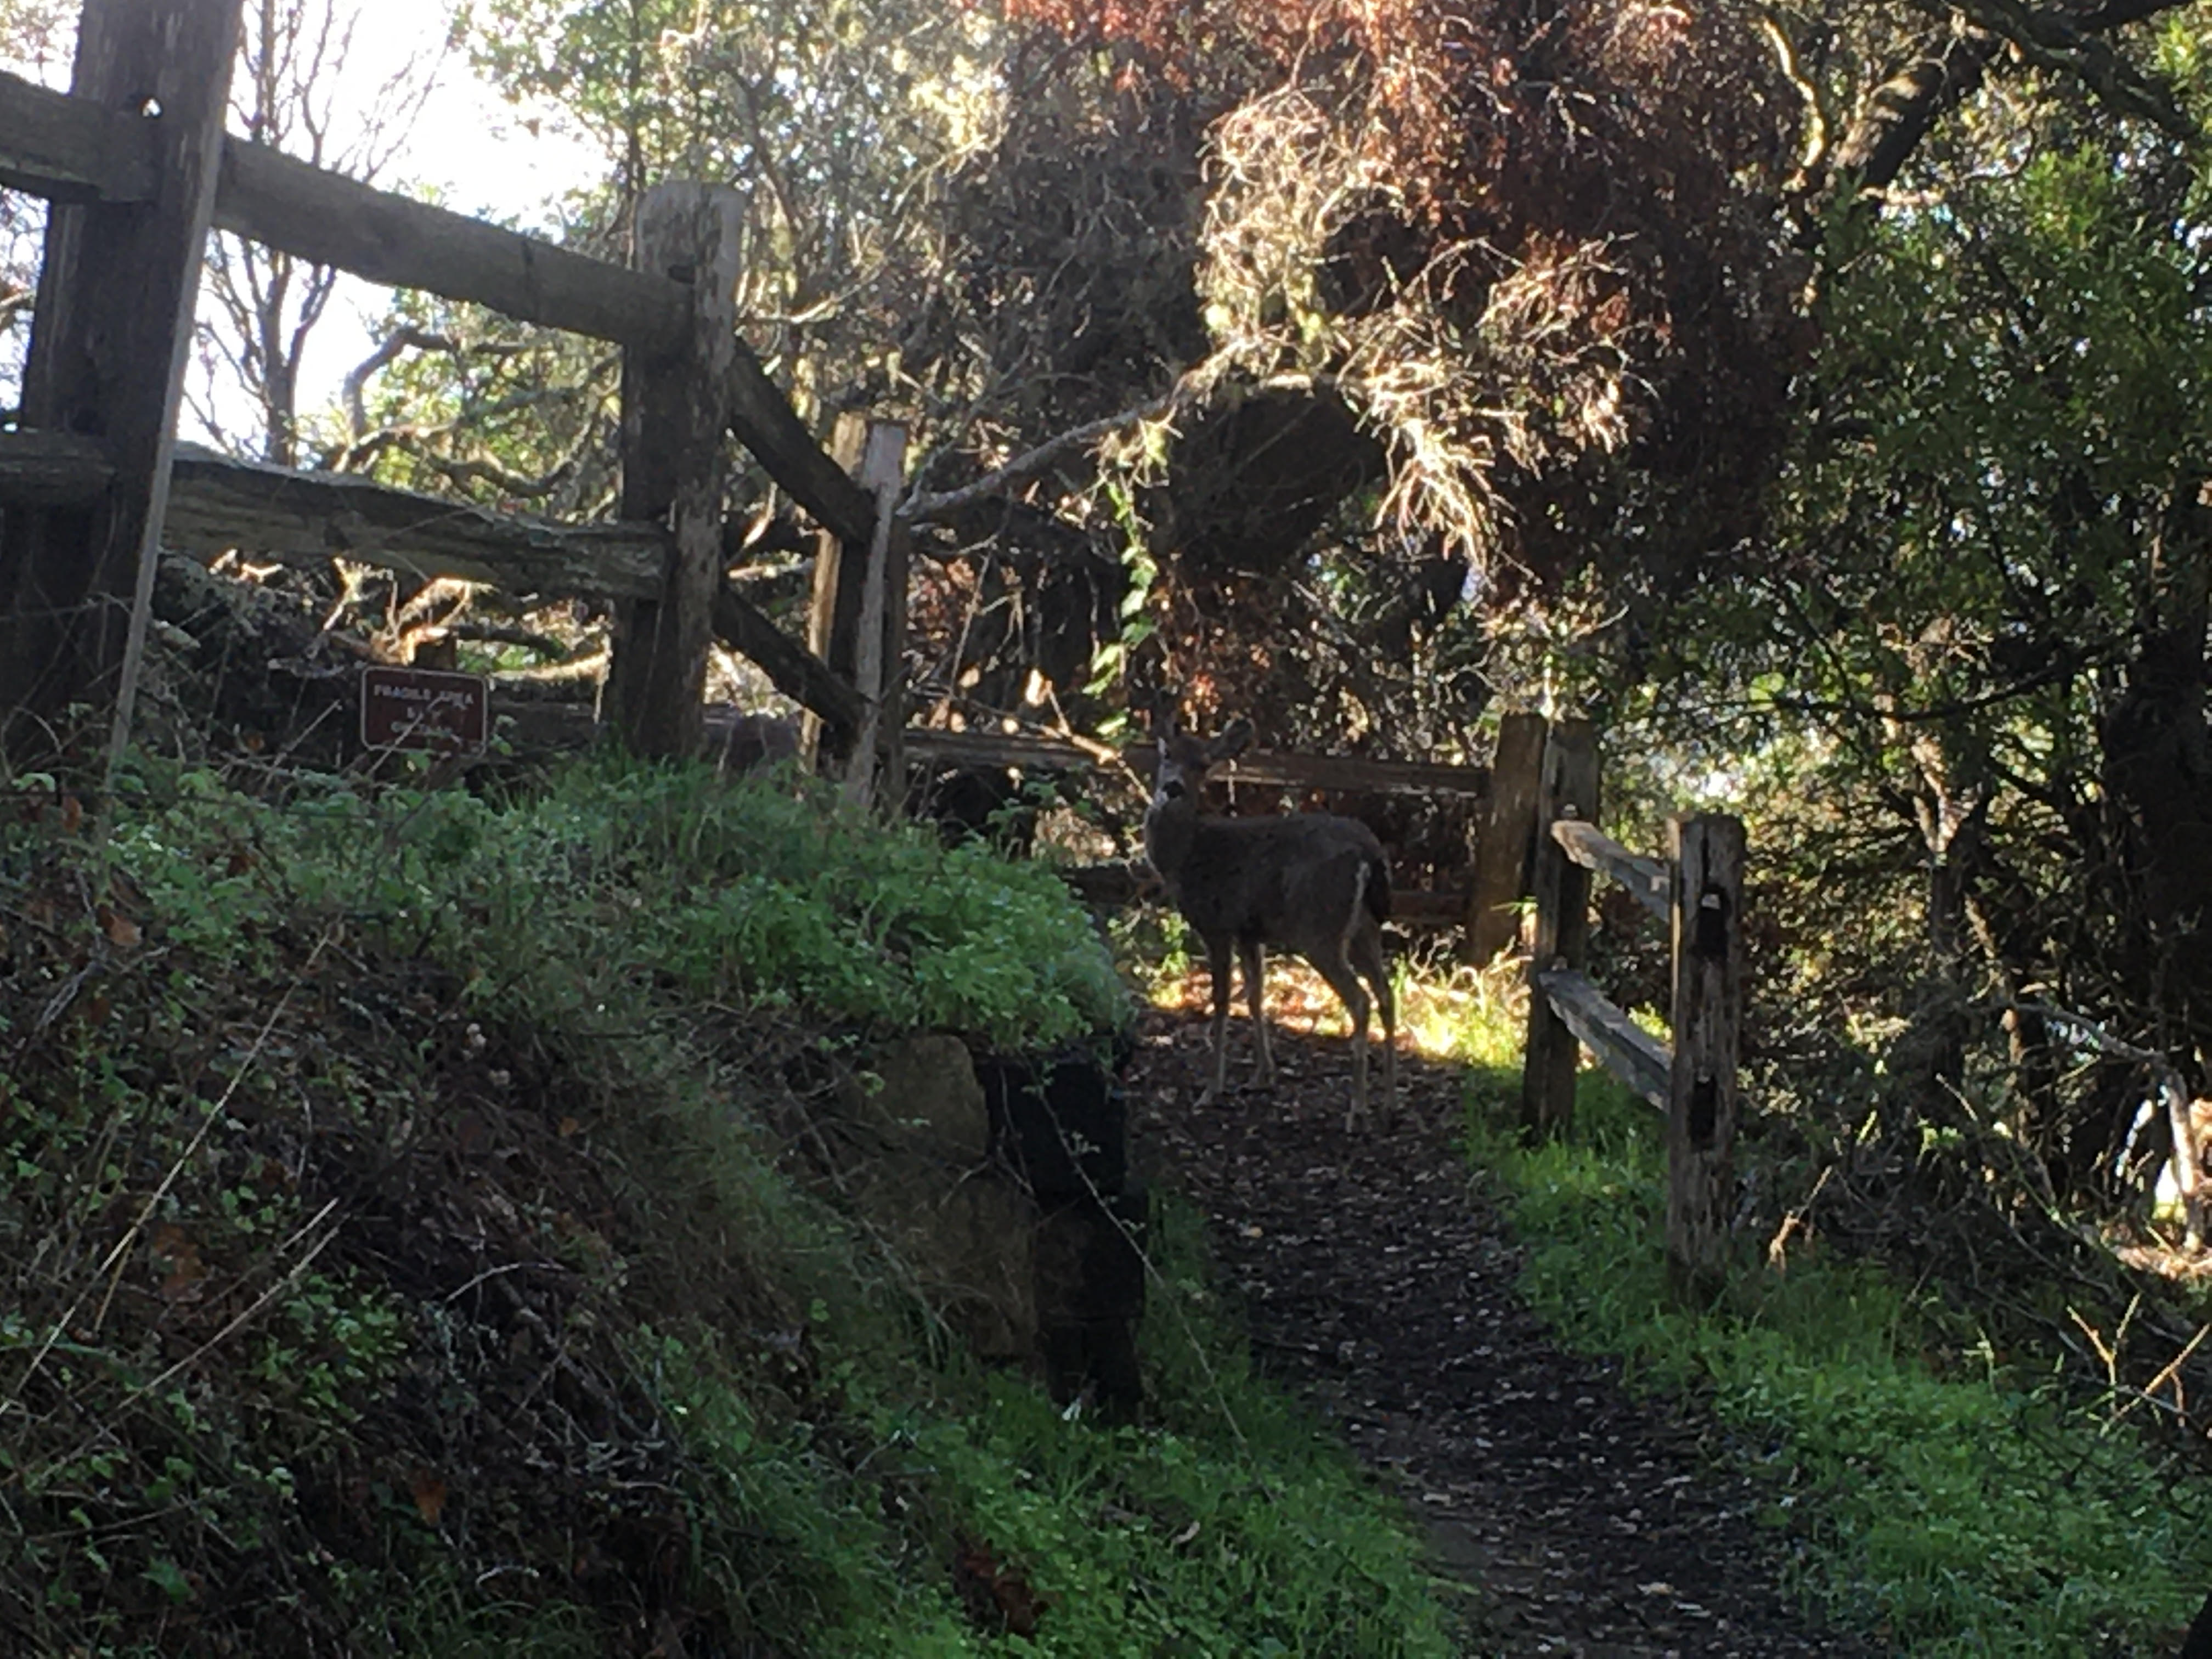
(1379, 1283)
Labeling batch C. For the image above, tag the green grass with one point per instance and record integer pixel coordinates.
(763, 896)
(312, 1003)
(1230, 1524)
(1974, 1511)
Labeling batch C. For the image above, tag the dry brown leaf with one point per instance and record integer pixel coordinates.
(429, 1495)
(179, 1257)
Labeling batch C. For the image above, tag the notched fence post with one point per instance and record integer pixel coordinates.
(1707, 1021)
(108, 344)
(1508, 837)
(675, 413)
(833, 618)
(1562, 894)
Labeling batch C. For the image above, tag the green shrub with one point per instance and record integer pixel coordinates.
(760, 894)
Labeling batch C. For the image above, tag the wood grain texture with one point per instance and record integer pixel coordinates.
(1624, 1047)
(1703, 1103)
(326, 219)
(675, 423)
(1561, 889)
(1507, 838)
(72, 149)
(117, 288)
(1648, 879)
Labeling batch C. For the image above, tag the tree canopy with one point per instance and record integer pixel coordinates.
(1812, 392)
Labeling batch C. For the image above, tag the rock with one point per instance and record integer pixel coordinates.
(1065, 1123)
(930, 1102)
(970, 1245)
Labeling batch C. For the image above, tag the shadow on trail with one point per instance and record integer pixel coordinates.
(1378, 1284)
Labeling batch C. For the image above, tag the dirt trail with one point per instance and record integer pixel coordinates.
(1376, 1283)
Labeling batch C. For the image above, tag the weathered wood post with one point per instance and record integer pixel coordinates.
(1707, 1020)
(675, 408)
(879, 643)
(1561, 889)
(833, 616)
(107, 361)
(1508, 831)
(897, 577)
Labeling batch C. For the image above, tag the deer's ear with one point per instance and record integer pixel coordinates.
(1234, 740)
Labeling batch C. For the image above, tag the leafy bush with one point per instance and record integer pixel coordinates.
(760, 894)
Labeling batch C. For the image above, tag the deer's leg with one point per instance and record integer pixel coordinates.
(1217, 957)
(1256, 994)
(1368, 960)
(1346, 984)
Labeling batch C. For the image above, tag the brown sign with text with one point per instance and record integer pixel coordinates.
(423, 709)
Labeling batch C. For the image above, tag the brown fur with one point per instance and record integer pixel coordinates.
(1307, 882)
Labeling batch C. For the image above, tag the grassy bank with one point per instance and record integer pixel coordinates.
(404, 1253)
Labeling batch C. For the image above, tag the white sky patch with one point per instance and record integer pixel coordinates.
(469, 150)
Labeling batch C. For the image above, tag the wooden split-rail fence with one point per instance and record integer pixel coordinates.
(139, 171)
(138, 168)
(1697, 890)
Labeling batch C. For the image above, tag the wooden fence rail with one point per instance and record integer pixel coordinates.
(134, 158)
(1697, 891)
(1255, 766)
(138, 166)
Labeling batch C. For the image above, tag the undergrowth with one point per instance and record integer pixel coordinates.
(400, 1255)
(1948, 1507)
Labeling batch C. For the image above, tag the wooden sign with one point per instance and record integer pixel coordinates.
(423, 709)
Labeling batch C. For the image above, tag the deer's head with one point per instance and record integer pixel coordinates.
(1186, 758)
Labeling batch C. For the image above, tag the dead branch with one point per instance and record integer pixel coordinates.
(2173, 1094)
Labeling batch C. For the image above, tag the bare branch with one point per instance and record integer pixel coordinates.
(920, 508)
(1949, 63)
(387, 352)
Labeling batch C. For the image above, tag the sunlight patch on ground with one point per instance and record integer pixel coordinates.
(1475, 1017)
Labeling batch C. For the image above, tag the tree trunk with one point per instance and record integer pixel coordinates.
(2158, 770)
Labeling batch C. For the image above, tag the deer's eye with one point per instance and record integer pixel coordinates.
(1171, 790)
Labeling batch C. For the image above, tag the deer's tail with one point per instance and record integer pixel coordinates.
(1375, 889)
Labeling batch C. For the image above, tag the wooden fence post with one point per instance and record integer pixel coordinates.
(833, 616)
(1508, 834)
(879, 643)
(897, 578)
(1707, 1020)
(108, 344)
(675, 407)
(1562, 894)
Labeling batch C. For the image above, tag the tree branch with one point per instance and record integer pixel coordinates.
(1949, 63)
(920, 508)
(387, 352)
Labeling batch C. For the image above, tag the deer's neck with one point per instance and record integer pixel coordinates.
(1170, 829)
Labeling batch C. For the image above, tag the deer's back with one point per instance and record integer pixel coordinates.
(1289, 880)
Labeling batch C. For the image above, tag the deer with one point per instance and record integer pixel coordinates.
(1311, 882)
